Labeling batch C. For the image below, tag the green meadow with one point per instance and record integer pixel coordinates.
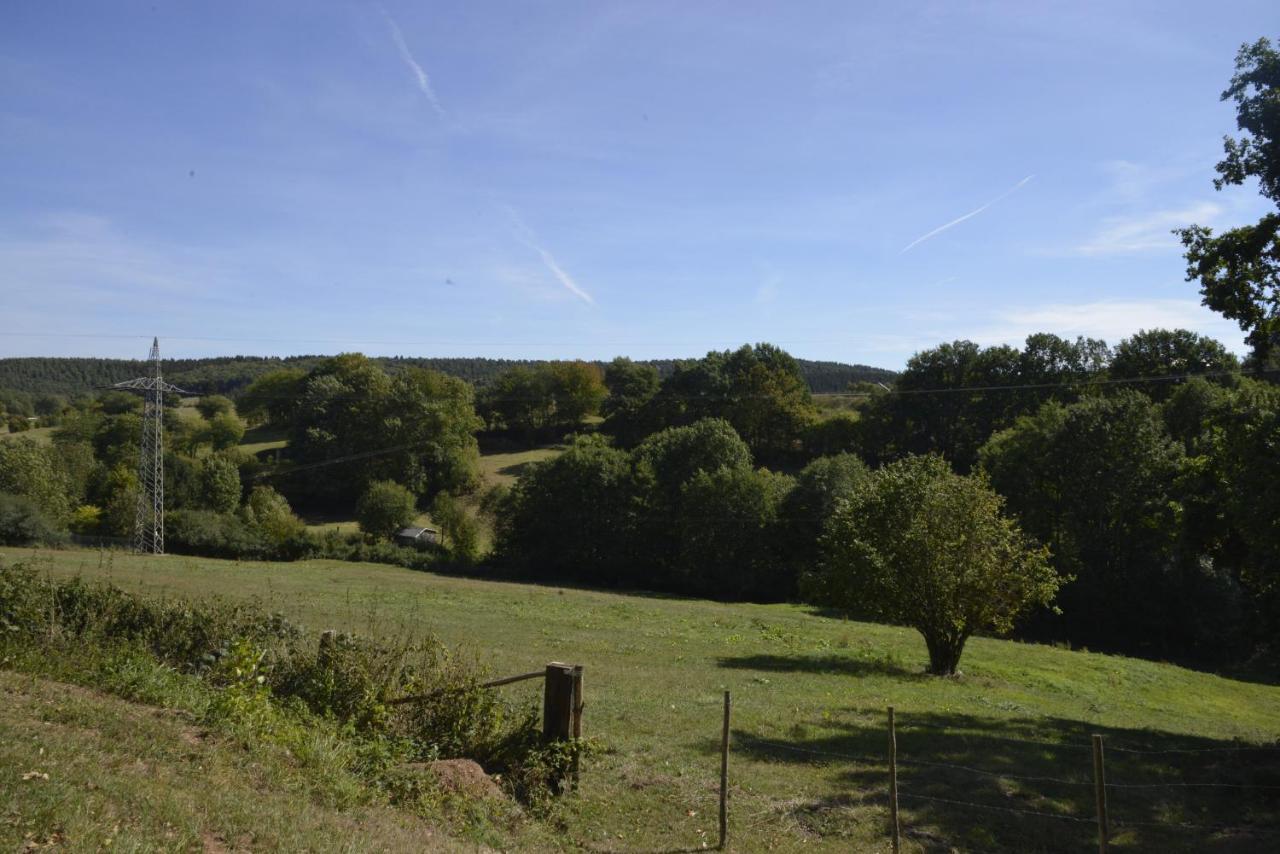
(1010, 737)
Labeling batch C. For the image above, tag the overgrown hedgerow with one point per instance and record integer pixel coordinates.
(273, 677)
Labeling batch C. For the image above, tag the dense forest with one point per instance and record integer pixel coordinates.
(36, 375)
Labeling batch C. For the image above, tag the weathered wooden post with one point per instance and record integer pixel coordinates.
(557, 702)
(1100, 793)
(724, 774)
(894, 829)
(577, 723)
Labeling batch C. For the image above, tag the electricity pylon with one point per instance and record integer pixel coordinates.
(148, 526)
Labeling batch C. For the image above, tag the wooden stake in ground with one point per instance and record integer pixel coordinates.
(724, 774)
(894, 831)
(1100, 793)
(577, 724)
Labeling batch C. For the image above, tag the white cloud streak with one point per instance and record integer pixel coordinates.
(526, 236)
(424, 82)
(1127, 235)
(922, 238)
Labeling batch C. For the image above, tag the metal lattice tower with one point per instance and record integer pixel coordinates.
(148, 527)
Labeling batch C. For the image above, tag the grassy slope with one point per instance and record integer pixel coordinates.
(122, 776)
(655, 670)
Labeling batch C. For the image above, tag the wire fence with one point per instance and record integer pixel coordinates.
(1152, 822)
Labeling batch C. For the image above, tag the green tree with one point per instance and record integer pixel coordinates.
(819, 489)
(1239, 270)
(631, 385)
(572, 517)
(219, 484)
(1166, 353)
(354, 425)
(30, 470)
(211, 405)
(223, 431)
(758, 389)
(271, 398)
(925, 547)
(384, 508)
(728, 535)
(1097, 482)
(268, 512)
(951, 398)
(458, 528)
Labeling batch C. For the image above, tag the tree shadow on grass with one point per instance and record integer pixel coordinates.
(986, 784)
(517, 469)
(839, 665)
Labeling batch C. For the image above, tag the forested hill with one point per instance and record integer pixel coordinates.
(47, 375)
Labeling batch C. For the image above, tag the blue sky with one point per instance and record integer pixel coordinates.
(587, 179)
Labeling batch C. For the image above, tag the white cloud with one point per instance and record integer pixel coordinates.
(1110, 320)
(922, 238)
(420, 75)
(1124, 235)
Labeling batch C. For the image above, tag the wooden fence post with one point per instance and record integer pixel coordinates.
(724, 774)
(557, 702)
(1100, 793)
(577, 724)
(894, 830)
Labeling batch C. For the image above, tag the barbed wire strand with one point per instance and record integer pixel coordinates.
(1037, 813)
(871, 760)
(999, 774)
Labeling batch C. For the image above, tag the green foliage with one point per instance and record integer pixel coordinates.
(262, 665)
(548, 398)
(223, 431)
(728, 535)
(922, 546)
(670, 458)
(23, 523)
(211, 405)
(758, 389)
(1097, 481)
(631, 385)
(219, 484)
(819, 489)
(459, 529)
(421, 423)
(1165, 352)
(269, 513)
(571, 516)
(31, 470)
(206, 532)
(384, 508)
(86, 519)
(271, 397)
(931, 413)
(1239, 270)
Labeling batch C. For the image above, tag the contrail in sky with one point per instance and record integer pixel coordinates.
(922, 238)
(525, 235)
(424, 82)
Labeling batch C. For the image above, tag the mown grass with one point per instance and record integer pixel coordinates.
(810, 694)
(504, 469)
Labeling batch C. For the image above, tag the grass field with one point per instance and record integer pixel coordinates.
(810, 694)
(504, 469)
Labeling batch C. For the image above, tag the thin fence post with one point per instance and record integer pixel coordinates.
(894, 829)
(724, 774)
(577, 724)
(1100, 793)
